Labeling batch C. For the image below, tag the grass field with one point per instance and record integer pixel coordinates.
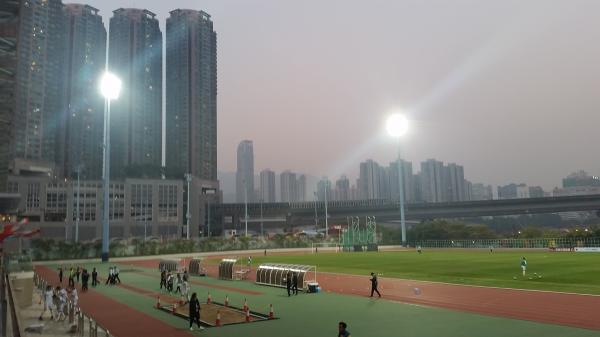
(564, 271)
(317, 314)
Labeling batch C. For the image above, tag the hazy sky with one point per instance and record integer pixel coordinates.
(508, 88)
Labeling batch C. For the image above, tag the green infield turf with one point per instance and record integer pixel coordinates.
(318, 314)
(564, 271)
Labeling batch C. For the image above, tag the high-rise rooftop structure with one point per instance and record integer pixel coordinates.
(9, 32)
(288, 186)
(80, 144)
(39, 82)
(342, 189)
(369, 180)
(431, 178)
(135, 56)
(267, 186)
(245, 171)
(191, 95)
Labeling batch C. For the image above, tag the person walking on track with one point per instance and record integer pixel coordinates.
(295, 283)
(288, 283)
(195, 312)
(94, 277)
(60, 274)
(374, 285)
(48, 302)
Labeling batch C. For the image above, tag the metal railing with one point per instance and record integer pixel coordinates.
(86, 325)
(550, 243)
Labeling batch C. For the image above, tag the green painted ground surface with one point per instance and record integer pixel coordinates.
(317, 314)
(564, 271)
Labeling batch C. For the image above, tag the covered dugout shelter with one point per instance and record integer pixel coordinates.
(274, 274)
(168, 265)
(195, 267)
(232, 269)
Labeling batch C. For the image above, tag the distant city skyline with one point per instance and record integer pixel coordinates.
(511, 101)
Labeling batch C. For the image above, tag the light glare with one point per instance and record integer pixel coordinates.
(110, 86)
(397, 125)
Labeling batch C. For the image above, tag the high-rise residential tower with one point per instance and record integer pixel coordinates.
(431, 179)
(288, 186)
(81, 136)
(267, 186)
(191, 97)
(245, 171)
(135, 56)
(9, 33)
(39, 84)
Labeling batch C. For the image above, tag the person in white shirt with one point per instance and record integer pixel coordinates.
(62, 302)
(48, 302)
(75, 299)
(185, 290)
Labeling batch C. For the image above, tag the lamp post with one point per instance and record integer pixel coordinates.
(188, 214)
(78, 216)
(326, 214)
(262, 230)
(316, 216)
(397, 126)
(246, 207)
(110, 87)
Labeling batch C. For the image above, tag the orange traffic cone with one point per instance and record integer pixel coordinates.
(209, 299)
(174, 308)
(218, 322)
(157, 302)
(226, 301)
(245, 305)
(247, 316)
(271, 311)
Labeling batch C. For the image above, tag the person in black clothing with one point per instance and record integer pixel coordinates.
(85, 276)
(288, 283)
(116, 274)
(94, 277)
(60, 274)
(374, 285)
(163, 279)
(77, 272)
(342, 332)
(295, 283)
(194, 311)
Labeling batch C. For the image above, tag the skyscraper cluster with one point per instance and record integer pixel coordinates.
(54, 111)
(435, 182)
(292, 185)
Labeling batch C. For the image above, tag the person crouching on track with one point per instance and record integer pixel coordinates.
(374, 285)
(195, 311)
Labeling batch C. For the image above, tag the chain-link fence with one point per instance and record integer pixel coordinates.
(550, 243)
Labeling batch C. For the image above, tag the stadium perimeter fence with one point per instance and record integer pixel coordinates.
(548, 243)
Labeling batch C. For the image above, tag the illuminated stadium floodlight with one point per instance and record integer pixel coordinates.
(110, 88)
(397, 126)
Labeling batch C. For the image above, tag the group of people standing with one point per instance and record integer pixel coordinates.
(291, 283)
(75, 273)
(55, 301)
(176, 283)
(113, 276)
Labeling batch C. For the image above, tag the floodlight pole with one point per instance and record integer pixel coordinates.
(316, 216)
(77, 218)
(326, 214)
(401, 194)
(246, 206)
(106, 181)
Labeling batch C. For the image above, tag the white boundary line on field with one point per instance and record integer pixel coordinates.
(469, 285)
